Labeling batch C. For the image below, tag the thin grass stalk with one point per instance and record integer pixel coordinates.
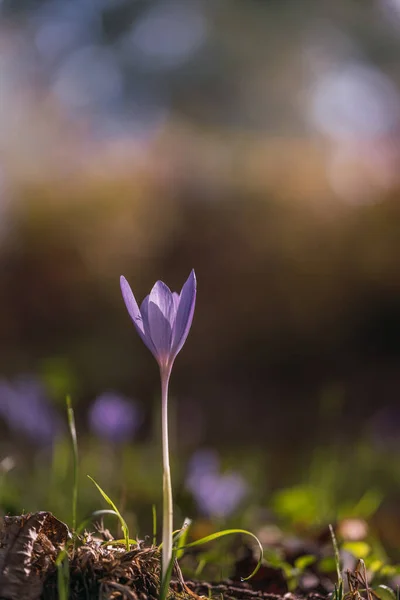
(154, 513)
(74, 439)
(63, 578)
(336, 553)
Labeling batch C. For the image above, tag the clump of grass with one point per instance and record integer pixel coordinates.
(100, 569)
(124, 526)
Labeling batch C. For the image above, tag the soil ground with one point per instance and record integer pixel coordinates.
(31, 543)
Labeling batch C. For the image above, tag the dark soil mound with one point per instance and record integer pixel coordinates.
(98, 569)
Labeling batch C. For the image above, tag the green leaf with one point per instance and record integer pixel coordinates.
(357, 549)
(374, 565)
(390, 570)
(274, 557)
(327, 564)
(298, 503)
(304, 561)
(384, 592)
(368, 504)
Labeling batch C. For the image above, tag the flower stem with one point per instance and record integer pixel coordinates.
(167, 487)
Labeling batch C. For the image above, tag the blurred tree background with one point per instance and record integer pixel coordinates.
(257, 142)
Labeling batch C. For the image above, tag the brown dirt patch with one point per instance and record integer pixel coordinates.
(30, 544)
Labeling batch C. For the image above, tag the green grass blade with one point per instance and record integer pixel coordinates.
(218, 534)
(177, 533)
(62, 559)
(337, 560)
(132, 542)
(74, 439)
(181, 537)
(63, 578)
(200, 567)
(124, 526)
(164, 587)
(154, 513)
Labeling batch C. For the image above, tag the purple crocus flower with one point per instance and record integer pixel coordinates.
(216, 494)
(25, 408)
(163, 322)
(164, 318)
(114, 417)
(219, 495)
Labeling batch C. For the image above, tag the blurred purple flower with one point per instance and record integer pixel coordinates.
(25, 409)
(114, 417)
(203, 462)
(216, 494)
(164, 319)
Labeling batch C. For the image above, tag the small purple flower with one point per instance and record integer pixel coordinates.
(164, 318)
(202, 462)
(219, 495)
(216, 494)
(114, 417)
(26, 410)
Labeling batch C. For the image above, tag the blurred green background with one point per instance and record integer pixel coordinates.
(257, 142)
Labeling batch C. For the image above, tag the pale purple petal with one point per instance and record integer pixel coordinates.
(184, 315)
(144, 310)
(160, 317)
(132, 306)
(175, 298)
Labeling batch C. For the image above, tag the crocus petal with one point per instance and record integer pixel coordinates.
(162, 296)
(184, 315)
(144, 309)
(160, 317)
(175, 298)
(132, 307)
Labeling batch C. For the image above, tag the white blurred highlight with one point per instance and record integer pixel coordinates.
(357, 109)
(356, 100)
